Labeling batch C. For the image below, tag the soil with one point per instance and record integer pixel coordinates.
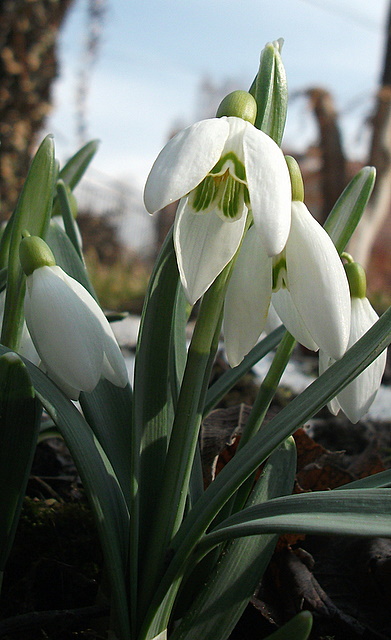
(52, 591)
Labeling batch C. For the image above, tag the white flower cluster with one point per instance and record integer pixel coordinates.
(223, 170)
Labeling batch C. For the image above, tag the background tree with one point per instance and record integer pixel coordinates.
(28, 66)
(334, 162)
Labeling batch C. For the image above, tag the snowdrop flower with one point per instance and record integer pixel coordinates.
(306, 282)
(68, 328)
(220, 168)
(356, 399)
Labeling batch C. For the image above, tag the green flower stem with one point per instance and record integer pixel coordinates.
(268, 388)
(261, 405)
(184, 435)
(257, 415)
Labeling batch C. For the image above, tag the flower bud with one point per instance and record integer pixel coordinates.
(35, 253)
(240, 104)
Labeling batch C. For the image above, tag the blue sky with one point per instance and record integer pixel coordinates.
(154, 54)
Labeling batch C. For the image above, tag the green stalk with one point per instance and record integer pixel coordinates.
(260, 407)
(184, 435)
(268, 389)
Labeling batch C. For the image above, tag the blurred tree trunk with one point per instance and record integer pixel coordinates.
(28, 65)
(379, 157)
(333, 173)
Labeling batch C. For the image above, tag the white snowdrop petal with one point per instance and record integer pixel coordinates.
(291, 319)
(114, 367)
(357, 398)
(69, 391)
(204, 245)
(26, 347)
(317, 282)
(65, 333)
(269, 188)
(248, 298)
(184, 162)
(273, 320)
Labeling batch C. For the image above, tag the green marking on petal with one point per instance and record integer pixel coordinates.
(246, 196)
(204, 194)
(279, 273)
(231, 198)
(231, 158)
(229, 203)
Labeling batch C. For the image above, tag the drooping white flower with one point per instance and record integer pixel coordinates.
(220, 168)
(69, 330)
(306, 283)
(357, 397)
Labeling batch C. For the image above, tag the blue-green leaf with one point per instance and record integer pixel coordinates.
(20, 414)
(217, 607)
(347, 211)
(101, 486)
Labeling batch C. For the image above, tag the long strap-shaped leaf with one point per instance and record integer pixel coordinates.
(108, 411)
(152, 401)
(246, 461)
(20, 416)
(219, 605)
(101, 486)
(358, 512)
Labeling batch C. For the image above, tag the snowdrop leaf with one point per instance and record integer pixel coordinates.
(299, 410)
(73, 171)
(108, 410)
(66, 212)
(242, 563)
(270, 91)
(152, 402)
(20, 414)
(298, 628)
(347, 211)
(67, 257)
(100, 483)
(346, 512)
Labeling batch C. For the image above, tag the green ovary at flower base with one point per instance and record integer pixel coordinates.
(220, 169)
(306, 283)
(356, 399)
(69, 330)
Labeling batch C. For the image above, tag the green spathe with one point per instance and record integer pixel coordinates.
(35, 253)
(240, 104)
